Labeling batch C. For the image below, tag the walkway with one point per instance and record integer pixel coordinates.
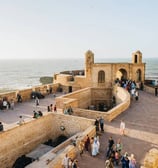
(141, 123)
(141, 132)
(25, 110)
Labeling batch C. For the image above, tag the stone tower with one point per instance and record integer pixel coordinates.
(137, 57)
(89, 61)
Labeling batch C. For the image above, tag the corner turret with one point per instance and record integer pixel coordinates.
(137, 57)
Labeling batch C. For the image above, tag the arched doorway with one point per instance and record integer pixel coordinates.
(138, 75)
(121, 74)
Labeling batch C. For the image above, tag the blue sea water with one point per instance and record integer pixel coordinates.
(20, 74)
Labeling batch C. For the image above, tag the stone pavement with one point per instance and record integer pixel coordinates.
(141, 127)
(25, 109)
(141, 132)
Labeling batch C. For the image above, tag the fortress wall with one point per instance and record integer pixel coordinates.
(72, 124)
(85, 97)
(101, 94)
(72, 151)
(9, 95)
(63, 103)
(25, 93)
(20, 140)
(149, 89)
(81, 81)
(124, 103)
(81, 98)
(124, 97)
(91, 114)
(61, 78)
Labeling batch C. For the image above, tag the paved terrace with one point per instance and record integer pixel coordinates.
(141, 127)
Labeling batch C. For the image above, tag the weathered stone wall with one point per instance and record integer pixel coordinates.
(99, 95)
(149, 89)
(151, 159)
(25, 93)
(124, 101)
(81, 98)
(20, 140)
(71, 150)
(85, 97)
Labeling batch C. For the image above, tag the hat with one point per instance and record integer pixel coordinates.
(126, 154)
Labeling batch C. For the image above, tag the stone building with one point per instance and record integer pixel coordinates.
(102, 74)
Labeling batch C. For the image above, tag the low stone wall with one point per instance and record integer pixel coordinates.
(151, 159)
(71, 150)
(149, 89)
(20, 140)
(83, 98)
(123, 99)
(25, 93)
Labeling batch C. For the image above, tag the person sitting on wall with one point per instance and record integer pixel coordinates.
(35, 114)
(40, 113)
(1, 126)
(69, 110)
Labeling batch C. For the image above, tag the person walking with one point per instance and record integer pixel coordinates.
(65, 162)
(87, 143)
(95, 147)
(101, 122)
(12, 104)
(132, 161)
(110, 147)
(37, 101)
(136, 95)
(122, 127)
(97, 124)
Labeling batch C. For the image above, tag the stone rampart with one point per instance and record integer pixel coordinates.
(58, 153)
(25, 93)
(19, 140)
(122, 97)
(149, 89)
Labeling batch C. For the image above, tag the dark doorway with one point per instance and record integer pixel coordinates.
(156, 91)
(22, 161)
(70, 89)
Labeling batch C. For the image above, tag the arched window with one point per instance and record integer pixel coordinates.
(101, 77)
(135, 59)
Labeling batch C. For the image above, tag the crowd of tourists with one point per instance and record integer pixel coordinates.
(131, 86)
(115, 157)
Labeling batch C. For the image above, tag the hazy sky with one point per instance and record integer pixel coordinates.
(68, 28)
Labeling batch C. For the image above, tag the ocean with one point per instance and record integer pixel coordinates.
(21, 74)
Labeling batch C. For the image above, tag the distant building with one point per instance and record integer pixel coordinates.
(102, 74)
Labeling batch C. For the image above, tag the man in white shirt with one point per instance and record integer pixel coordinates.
(65, 162)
